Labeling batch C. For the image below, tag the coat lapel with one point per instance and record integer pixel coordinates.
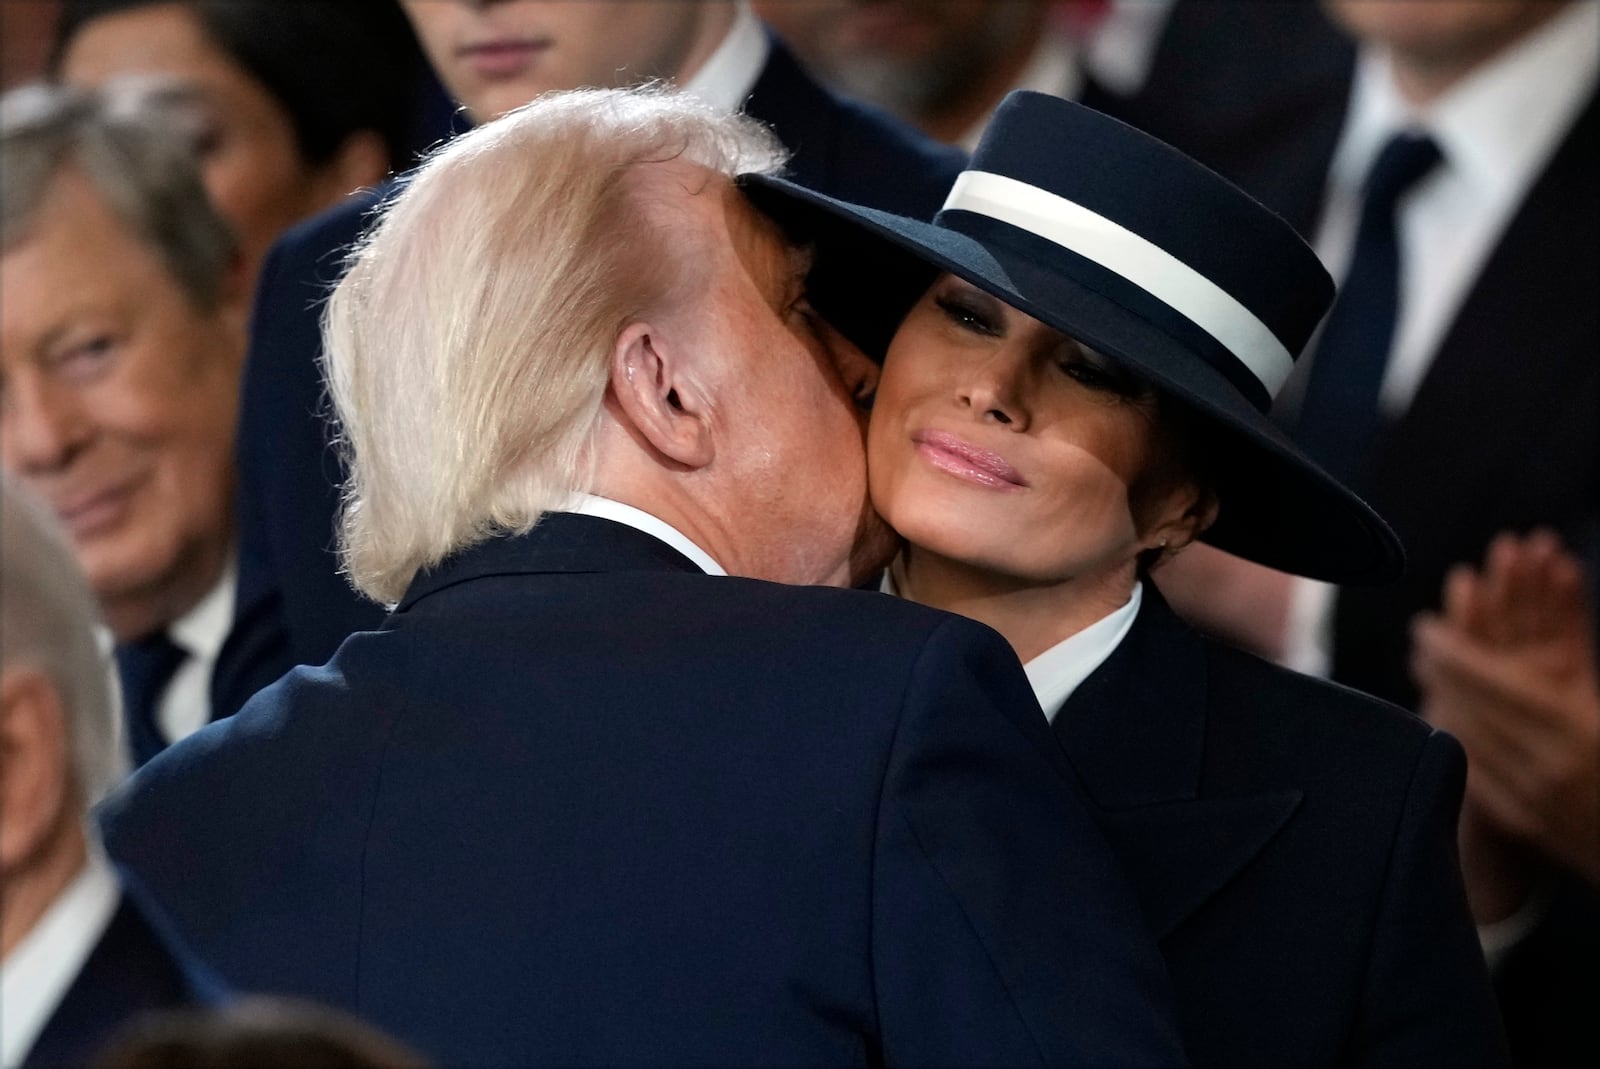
(1135, 731)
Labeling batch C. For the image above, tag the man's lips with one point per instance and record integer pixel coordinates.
(961, 458)
(87, 514)
(503, 58)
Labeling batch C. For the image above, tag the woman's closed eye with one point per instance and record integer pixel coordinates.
(968, 315)
(1094, 372)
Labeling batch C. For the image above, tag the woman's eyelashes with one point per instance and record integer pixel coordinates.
(1078, 367)
(968, 315)
(1093, 371)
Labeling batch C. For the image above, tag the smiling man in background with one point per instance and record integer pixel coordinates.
(121, 335)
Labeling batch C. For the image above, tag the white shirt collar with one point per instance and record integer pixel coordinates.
(202, 630)
(1062, 668)
(37, 973)
(730, 73)
(1122, 47)
(607, 509)
(1498, 126)
(186, 706)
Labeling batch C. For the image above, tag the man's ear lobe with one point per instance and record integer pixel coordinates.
(656, 398)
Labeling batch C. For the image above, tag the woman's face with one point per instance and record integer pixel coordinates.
(251, 163)
(998, 442)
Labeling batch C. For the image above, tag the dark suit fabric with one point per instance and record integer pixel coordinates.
(1501, 435)
(292, 606)
(577, 803)
(1292, 844)
(1504, 434)
(132, 970)
(1256, 91)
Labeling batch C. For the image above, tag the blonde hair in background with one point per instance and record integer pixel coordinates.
(49, 620)
(467, 347)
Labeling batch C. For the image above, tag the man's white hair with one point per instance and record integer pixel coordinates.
(49, 621)
(467, 347)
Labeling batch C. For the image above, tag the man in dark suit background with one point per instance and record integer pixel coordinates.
(77, 958)
(587, 797)
(293, 607)
(1474, 416)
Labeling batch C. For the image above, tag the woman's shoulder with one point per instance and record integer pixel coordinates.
(1252, 695)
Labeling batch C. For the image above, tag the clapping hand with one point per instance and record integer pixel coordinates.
(1508, 666)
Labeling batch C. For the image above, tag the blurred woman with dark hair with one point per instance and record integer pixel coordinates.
(296, 102)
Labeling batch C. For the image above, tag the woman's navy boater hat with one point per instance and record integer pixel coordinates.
(1144, 255)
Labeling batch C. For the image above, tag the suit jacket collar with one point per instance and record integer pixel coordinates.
(1123, 707)
(1136, 732)
(559, 542)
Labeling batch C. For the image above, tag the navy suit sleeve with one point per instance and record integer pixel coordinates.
(293, 607)
(1427, 999)
(994, 897)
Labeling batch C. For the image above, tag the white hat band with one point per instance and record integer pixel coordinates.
(1143, 263)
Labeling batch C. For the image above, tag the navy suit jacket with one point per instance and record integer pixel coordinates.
(1256, 91)
(1292, 844)
(578, 803)
(132, 970)
(292, 606)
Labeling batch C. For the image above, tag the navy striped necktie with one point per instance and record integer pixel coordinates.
(1339, 419)
(146, 667)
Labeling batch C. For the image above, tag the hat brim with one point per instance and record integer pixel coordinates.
(1276, 506)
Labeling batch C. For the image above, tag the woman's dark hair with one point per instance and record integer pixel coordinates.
(335, 66)
(1200, 450)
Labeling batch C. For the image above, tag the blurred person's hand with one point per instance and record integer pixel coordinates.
(1508, 666)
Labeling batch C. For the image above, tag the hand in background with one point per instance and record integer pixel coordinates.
(1508, 666)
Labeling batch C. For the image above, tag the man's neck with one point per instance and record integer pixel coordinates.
(135, 613)
(1031, 616)
(1423, 76)
(723, 529)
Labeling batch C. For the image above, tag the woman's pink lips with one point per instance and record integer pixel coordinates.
(961, 458)
(502, 59)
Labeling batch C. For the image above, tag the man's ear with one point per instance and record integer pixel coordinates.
(650, 381)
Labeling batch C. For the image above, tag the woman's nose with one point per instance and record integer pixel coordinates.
(996, 391)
